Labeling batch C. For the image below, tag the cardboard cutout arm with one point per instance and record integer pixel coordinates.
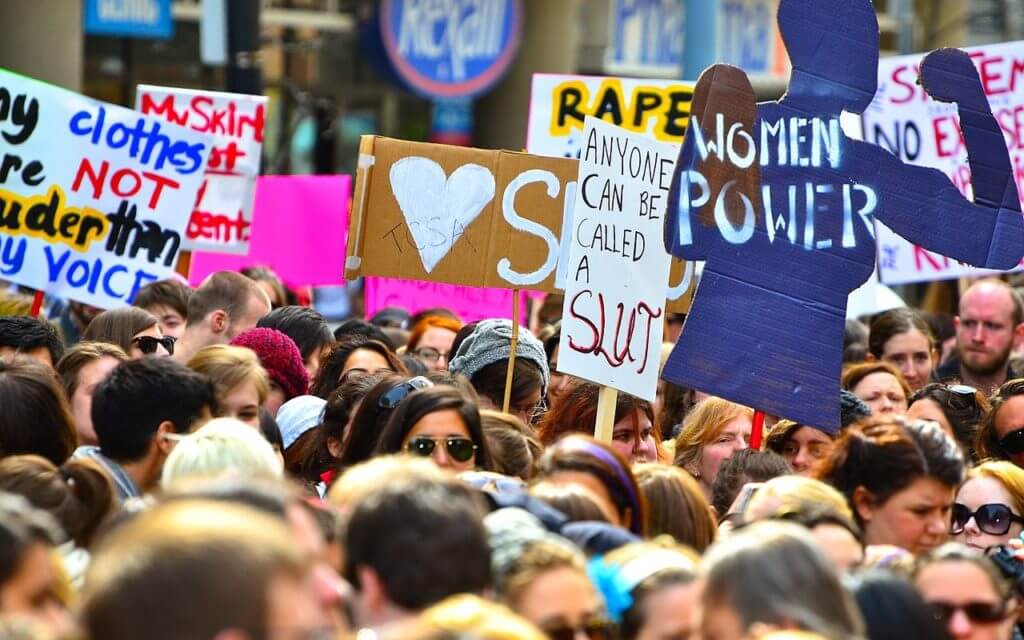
(723, 91)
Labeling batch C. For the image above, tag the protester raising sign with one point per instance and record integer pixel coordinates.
(659, 109)
(614, 308)
(94, 198)
(780, 203)
(222, 218)
(921, 131)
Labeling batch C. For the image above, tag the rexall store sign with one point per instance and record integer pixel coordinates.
(451, 48)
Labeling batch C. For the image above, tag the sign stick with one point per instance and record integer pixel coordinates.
(512, 351)
(184, 263)
(605, 422)
(37, 304)
(757, 430)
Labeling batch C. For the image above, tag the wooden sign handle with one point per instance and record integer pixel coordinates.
(605, 423)
(512, 351)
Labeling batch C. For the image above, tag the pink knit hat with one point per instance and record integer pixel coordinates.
(280, 356)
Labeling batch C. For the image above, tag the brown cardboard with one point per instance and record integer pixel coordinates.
(382, 243)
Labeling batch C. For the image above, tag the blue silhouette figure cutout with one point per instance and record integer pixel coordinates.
(780, 205)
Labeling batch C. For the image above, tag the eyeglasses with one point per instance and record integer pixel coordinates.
(395, 395)
(596, 629)
(1013, 442)
(459, 449)
(430, 355)
(993, 519)
(979, 612)
(148, 344)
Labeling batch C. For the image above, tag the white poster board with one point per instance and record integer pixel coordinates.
(618, 271)
(94, 198)
(221, 221)
(903, 119)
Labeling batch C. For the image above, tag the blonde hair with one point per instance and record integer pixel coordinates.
(228, 366)
(704, 423)
(468, 616)
(794, 493)
(539, 558)
(367, 477)
(224, 445)
(1007, 474)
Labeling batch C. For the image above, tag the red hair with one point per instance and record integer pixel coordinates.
(575, 411)
(421, 327)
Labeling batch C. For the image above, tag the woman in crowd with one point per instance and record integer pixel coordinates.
(482, 357)
(989, 507)
(676, 404)
(740, 469)
(282, 361)
(802, 446)
(899, 478)
(880, 385)
(957, 408)
(270, 283)
(967, 593)
(35, 416)
(893, 609)
(372, 415)
(782, 560)
(81, 368)
(559, 381)
(299, 420)
(578, 459)
(137, 332)
(439, 423)
(354, 355)
(661, 580)
(902, 338)
(221, 446)
(239, 381)
(1001, 434)
(676, 506)
(307, 328)
(431, 341)
(633, 435)
(514, 449)
(712, 432)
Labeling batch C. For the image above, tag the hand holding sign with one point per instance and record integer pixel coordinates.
(784, 250)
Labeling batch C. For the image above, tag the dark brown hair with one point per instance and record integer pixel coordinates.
(367, 423)
(36, 417)
(169, 293)
(885, 455)
(119, 326)
(676, 506)
(489, 381)
(78, 493)
(748, 465)
(329, 376)
(986, 442)
(965, 411)
(894, 322)
(78, 356)
(575, 411)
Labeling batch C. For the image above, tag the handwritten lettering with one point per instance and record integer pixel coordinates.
(620, 350)
(667, 106)
(46, 216)
(144, 140)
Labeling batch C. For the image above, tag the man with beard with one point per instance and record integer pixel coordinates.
(990, 325)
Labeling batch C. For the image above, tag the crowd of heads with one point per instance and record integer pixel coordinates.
(224, 463)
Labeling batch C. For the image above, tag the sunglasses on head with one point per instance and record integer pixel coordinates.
(1013, 442)
(979, 612)
(594, 629)
(148, 344)
(459, 449)
(993, 519)
(394, 396)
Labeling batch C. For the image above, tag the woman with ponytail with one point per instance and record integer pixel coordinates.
(78, 494)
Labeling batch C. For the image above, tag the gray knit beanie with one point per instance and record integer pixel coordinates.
(491, 342)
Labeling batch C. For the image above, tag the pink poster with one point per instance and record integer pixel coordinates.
(300, 227)
(469, 303)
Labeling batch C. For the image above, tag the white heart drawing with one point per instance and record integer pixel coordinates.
(439, 209)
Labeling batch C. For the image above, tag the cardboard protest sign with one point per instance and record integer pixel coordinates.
(94, 198)
(466, 216)
(921, 131)
(614, 310)
(559, 103)
(780, 203)
(300, 228)
(469, 303)
(222, 218)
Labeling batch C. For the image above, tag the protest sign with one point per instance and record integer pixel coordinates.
(222, 217)
(300, 224)
(468, 303)
(466, 216)
(559, 104)
(614, 309)
(921, 131)
(780, 204)
(94, 198)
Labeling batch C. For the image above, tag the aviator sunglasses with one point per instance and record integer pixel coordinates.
(596, 629)
(148, 344)
(459, 449)
(978, 612)
(993, 519)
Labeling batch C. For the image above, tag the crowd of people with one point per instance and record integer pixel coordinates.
(218, 463)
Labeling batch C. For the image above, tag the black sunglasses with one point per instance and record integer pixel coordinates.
(1013, 442)
(993, 519)
(594, 629)
(460, 449)
(394, 396)
(148, 344)
(980, 612)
